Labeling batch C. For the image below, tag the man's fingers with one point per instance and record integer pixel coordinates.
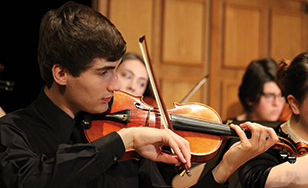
(181, 148)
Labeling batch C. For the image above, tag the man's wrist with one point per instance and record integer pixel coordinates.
(127, 138)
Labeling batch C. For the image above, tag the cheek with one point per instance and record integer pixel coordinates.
(140, 91)
(304, 111)
(263, 108)
(266, 113)
(90, 89)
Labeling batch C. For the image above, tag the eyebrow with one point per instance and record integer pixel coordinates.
(106, 68)
(129, 71)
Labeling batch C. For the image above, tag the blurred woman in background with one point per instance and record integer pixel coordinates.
(134, 78)
(260, 96)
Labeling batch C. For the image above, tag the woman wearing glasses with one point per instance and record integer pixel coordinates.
(260, 96)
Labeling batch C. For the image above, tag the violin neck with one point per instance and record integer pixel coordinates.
(180, 122)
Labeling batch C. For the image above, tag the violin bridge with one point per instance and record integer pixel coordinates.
(147, 123)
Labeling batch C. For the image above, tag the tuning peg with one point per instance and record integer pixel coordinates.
(283, 154)
(291, 159)
(286, 157)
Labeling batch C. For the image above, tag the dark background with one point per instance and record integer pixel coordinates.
(20, 20)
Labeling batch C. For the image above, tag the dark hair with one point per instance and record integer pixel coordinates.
(72, 36)
(257, 74)
(292, 77)
(148, 91)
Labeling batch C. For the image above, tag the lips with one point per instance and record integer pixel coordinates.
(107, 99)
(275, 112)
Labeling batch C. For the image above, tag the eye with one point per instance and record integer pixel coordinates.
(127, 76)
(142, 84)
(103, 73)
(270, 97)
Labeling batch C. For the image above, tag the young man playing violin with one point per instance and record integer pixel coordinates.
(44, 146)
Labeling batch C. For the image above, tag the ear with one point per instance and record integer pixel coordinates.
(294, 105)
(249, 102)
(59, 74)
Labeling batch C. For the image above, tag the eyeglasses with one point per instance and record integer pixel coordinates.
(270, 97)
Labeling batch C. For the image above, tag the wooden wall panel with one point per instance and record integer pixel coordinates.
(183, 32)
(242, 35)
(184, 49)
(287, 38)
(134, 19)
(230, 100)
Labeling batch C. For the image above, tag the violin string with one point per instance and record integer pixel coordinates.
(140, 117)
(207, 125)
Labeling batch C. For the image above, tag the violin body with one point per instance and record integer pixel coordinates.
(150, 101)
(128, 110)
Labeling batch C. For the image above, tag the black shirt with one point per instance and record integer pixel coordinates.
(42, 146)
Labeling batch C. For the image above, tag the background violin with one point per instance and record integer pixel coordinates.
(197, 123)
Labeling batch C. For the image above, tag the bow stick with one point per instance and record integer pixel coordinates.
(161, 105)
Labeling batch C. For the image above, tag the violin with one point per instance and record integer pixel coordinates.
(197, 123)
(150, 101)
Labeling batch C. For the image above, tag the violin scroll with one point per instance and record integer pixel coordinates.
(289, 150)
(302, 148)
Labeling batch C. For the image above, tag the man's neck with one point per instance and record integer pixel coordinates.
(56, 94)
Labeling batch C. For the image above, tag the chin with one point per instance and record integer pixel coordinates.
(272, 119)
(99, 110)
(103, 110)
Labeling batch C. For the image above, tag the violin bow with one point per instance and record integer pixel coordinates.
(161, 105)
(199, 84)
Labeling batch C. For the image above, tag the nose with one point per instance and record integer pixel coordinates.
(131, 86)
(114, 84)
